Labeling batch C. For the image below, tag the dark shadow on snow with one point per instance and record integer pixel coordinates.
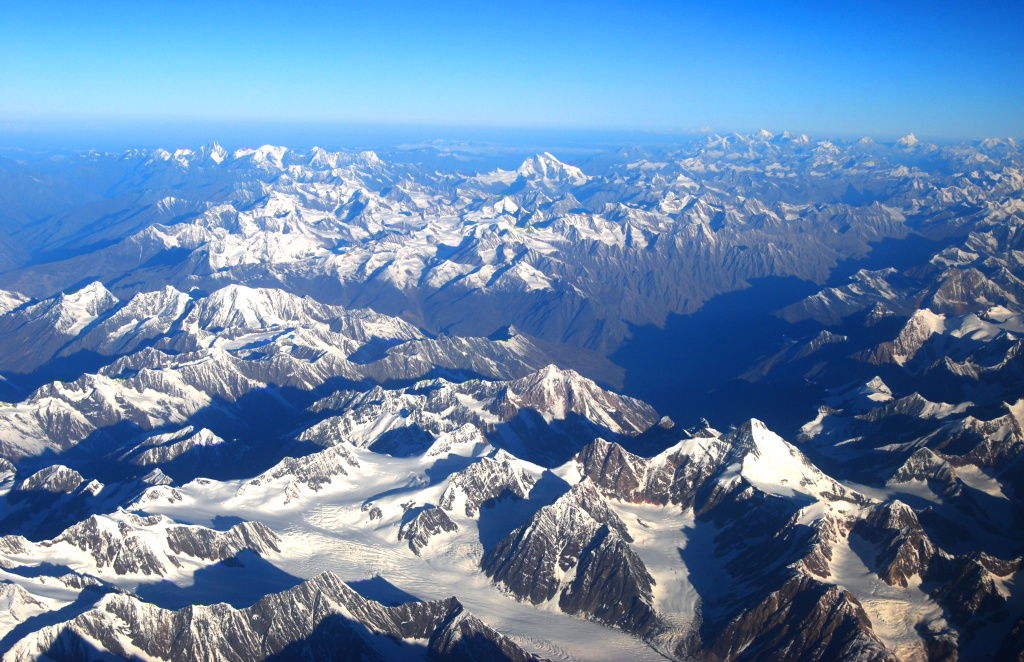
(501, 516)
(379, 589)
(239, 581)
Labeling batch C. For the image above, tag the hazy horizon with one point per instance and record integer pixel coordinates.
(181, 73)
(84, 135)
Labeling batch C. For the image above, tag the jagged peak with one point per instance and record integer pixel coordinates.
(584, 488)
(775, 466)
(584, 500)
(214, 152)
(327, 579)
(70, 312)
(549, 381)
(556, 393)
(915, 404)
(602, 448)
(754, 437)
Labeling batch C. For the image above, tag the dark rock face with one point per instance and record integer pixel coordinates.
(803, 619)
(130, 544)
(966, 586)
(770, 610)
(688, 473)
(612, 585)
(677, 477)
(421, 527)
(320, 619)
(904, 549)
(483, 481)
(552, 389)
(828, 532)
(112, 547)
(581, 537)
(219, 545)
(617, 471)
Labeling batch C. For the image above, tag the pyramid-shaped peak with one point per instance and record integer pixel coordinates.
(753, 426)
(552, 372)
(322, 158)
(876, 385)
(369, 157)
(546, 166)
(94, 291)
(753, 436)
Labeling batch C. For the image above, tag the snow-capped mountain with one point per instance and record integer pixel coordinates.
(280, 403)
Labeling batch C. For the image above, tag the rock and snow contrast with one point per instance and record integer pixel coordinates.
(281, 404)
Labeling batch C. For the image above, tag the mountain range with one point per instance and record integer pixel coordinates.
(744, 397)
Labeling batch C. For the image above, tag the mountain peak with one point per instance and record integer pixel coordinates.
(264, 155)
(214, 152)
(547, 167)
(908, 140)
(369, 157)
(73, 311)
(249, 307)
(93, 291)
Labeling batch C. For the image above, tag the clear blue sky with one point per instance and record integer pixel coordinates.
(941, 69)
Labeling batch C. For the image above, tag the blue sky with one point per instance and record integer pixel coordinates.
(941, 69)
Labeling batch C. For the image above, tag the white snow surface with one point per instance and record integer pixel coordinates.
(331, 529)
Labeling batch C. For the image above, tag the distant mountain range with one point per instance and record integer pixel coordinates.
(744, 398)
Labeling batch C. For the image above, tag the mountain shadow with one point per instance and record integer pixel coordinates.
(529, 436)
(381, 590)
(240, 581)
